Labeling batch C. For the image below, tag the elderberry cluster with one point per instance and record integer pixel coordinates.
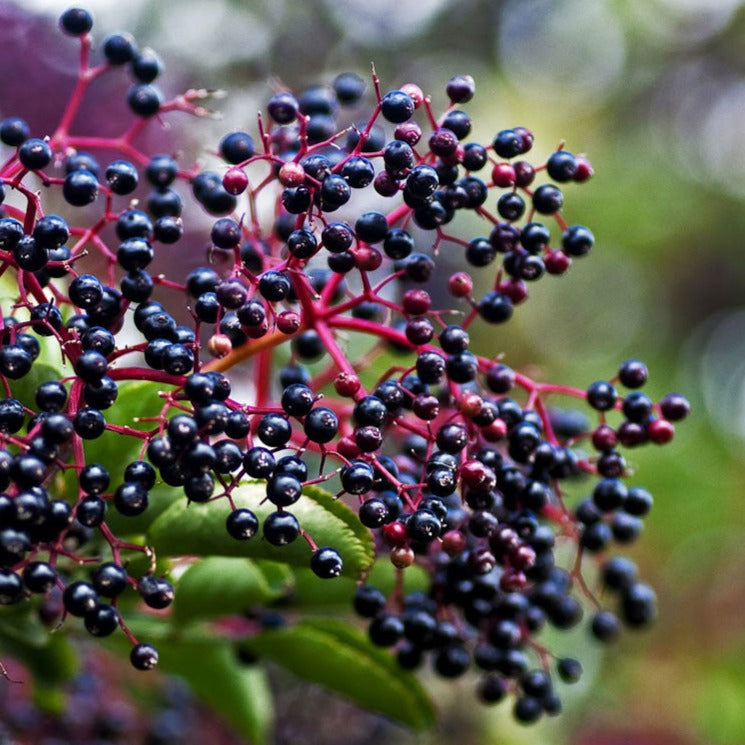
(262, 349)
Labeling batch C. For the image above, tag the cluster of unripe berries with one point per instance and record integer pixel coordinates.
(453, 460)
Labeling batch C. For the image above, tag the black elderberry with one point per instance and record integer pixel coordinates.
(601, 395)
(156, 592)
(385, 630)
(146, 66)
(242, 524)
(281, 528)
(143, 657)
(326, 563)
(283, 489)
(495, 307)
(34, 154)
(131, 499)
(605, 626)
(397, 106)
(29, 255)
(638, 501)
(625, 527)
(283, 107)
(80, 188)
(480, 252)
(368, 601)
(508, 143)
(452, 661)
(91, 511)
(675, 407)
(79, 598)
(492, 689)
(102, 620)
(547, 199)
(297, 400)
(14, 131)
(321, 425)
(110, 579)
(637, 407)
(12, 415)
(511, 206)
(611, 464)
(357, 477)
(15, 361)
(596, 536)
(11, 587)
(119, 48)
(561, 166)
(236, 147)
(423, 526)
(451, 438)
(577, 240)
(144, 99)
(39, 576)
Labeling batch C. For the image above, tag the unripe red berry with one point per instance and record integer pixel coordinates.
(453, 542)
(395, 533)
(402, 557)
(416, 302)
(291, 174)
(410, 132)
(414, 92)
(604, 438)
(367, 258)
(470, 404)
(512, 580)
(556, 262)
(660, 431)
(495, 431)
(235, 181)
(288, 322)
(503, 175)
(460, 284)
(346, 384)
(584, 169)
(347, 448)
(515, 289)
(219, 345)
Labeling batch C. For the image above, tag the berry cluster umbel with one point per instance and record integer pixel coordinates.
(453, 460)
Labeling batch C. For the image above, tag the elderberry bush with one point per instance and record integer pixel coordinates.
(298, 406)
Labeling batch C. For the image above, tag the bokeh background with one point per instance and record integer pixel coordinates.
(654, 92)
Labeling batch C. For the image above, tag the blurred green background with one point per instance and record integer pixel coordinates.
(653, 91)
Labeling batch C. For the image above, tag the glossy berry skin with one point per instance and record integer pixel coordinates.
(601, 396)
(454, 461)
(326, 563)
(156, 592)
(35, 154)
(281, 528)
(242, 524)
(79, 598)
(110, 580)
(102, 620)
(130, 499)
(397, 106)
(143, 656)
(39, 576)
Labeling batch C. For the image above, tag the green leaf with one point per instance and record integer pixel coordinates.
(199, 529)
(334, 654)
(220, 586)
(238, 693)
